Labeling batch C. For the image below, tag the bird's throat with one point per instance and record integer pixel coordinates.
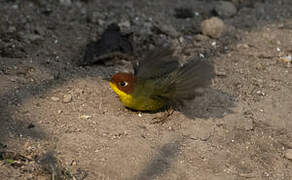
(123, 96)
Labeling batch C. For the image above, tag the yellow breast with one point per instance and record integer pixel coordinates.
(140, 103)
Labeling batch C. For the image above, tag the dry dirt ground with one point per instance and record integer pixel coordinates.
(62, 121)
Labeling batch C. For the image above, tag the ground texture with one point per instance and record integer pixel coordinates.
(62, 120)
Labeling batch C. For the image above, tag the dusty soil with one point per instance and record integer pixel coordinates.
(59, 119)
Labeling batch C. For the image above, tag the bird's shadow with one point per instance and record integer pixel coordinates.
(212, 103)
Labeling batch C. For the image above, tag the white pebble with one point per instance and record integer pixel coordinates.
(288, 154)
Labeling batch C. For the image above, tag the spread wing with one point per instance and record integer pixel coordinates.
(182, 83)
(198, 73)
(159, 72)
(156, 63)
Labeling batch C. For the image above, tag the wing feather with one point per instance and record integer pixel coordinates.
(156, 63)
(165, 79)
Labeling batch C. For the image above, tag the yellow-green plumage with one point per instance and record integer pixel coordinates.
(138, 100)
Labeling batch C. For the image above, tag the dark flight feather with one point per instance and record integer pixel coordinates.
(197, 73)
(156, 64)
(182, 82)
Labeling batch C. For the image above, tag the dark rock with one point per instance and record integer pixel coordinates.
(112, 43)
(30, 126)
(225, 9)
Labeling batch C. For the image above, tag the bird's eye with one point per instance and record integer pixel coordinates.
(123, 83)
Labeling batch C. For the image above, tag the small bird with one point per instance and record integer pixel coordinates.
(159, 81)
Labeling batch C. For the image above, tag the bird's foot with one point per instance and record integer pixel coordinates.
(164, 118)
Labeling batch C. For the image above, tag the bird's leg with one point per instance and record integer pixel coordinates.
(164, 118)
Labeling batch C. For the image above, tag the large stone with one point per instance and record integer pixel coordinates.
(225, 9)
(213, 27)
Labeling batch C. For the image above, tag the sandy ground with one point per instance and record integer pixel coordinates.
(59, 119)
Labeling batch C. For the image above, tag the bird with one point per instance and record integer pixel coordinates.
(159, 81)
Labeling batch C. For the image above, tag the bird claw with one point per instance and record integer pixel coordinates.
(159, 120)
(164, 118)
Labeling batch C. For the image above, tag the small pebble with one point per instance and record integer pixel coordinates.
(67, 98)
(55, 99)
(213, 43)
(28, 37)
(287, 60)
(73, 163)
(288, 154)
(248, 175)
(85, 116)
(200, 37)
(213, 27)
(220, 73)
(15, 6)
(125, 24)
(181, 39)
(202, 55)
(11, 29)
